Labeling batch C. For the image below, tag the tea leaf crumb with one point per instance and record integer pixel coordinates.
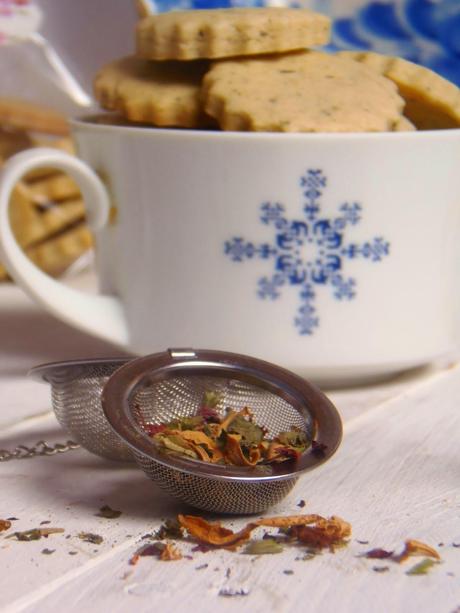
(108, 513)
(89, 537)
(422, 567)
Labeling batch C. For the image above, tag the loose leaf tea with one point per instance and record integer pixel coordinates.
(166, 552)
(89, 537)
(422, 567)
(234, 438)
(263, 547)
(34, 534)
(312, 530)
(5, 524)
(378, 554)
(108, 513)
(171, 529)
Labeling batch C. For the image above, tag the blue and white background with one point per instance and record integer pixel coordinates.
(423, 31)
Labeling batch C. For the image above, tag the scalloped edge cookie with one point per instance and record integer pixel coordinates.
(159, 93)
(432, 102)
(307, 91)
(219, 33)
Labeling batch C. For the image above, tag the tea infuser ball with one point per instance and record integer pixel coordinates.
(163, 387)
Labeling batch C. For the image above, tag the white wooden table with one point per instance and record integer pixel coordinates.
(395, 477)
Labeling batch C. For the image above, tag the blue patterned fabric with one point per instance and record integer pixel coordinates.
(426, 32)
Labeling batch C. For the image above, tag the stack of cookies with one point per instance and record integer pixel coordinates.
(262, 69)
(46, 210)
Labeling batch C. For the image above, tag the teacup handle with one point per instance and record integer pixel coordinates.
(99, 315)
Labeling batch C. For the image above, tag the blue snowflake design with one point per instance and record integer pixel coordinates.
(308, 253)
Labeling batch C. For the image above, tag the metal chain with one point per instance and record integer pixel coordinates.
(39, 449)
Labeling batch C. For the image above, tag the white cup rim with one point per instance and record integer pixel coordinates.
(92, 123)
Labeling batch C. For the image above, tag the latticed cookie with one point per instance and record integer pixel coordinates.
(34, 219)
(47, 213)
(432, 102)
(58, 252)
(307, 91)
(20, 114)
(217, 33)
(158, 93)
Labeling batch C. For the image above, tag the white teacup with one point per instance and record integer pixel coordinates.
(333, 255)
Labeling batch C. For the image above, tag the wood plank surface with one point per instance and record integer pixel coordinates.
(396, 476)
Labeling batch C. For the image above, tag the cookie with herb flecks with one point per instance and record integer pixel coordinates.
(308, 91)
(158, 93)
(432, 102)
(217, 33)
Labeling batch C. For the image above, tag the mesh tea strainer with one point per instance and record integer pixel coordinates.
(104, 405)
(164, 386)
(76, 389)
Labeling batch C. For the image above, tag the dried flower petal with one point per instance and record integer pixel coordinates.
(278, 452)
(169, 553)
(417, 548)
(214, 533)
(378, 554)
(324, 533)
(211, 453)
(176, 444)
(234, 453)
(152, 429)
(163, 551)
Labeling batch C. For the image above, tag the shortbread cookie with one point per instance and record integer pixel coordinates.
(158, 93)
(307, 91)
(3, 273)
(432, 102)
(403, 125)
(22, 115)
(217, 33)
(63, 144)
(142, 8)
(13, 141)
(53, 188)
(47, 214)
(57, 253)
(33, 221)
